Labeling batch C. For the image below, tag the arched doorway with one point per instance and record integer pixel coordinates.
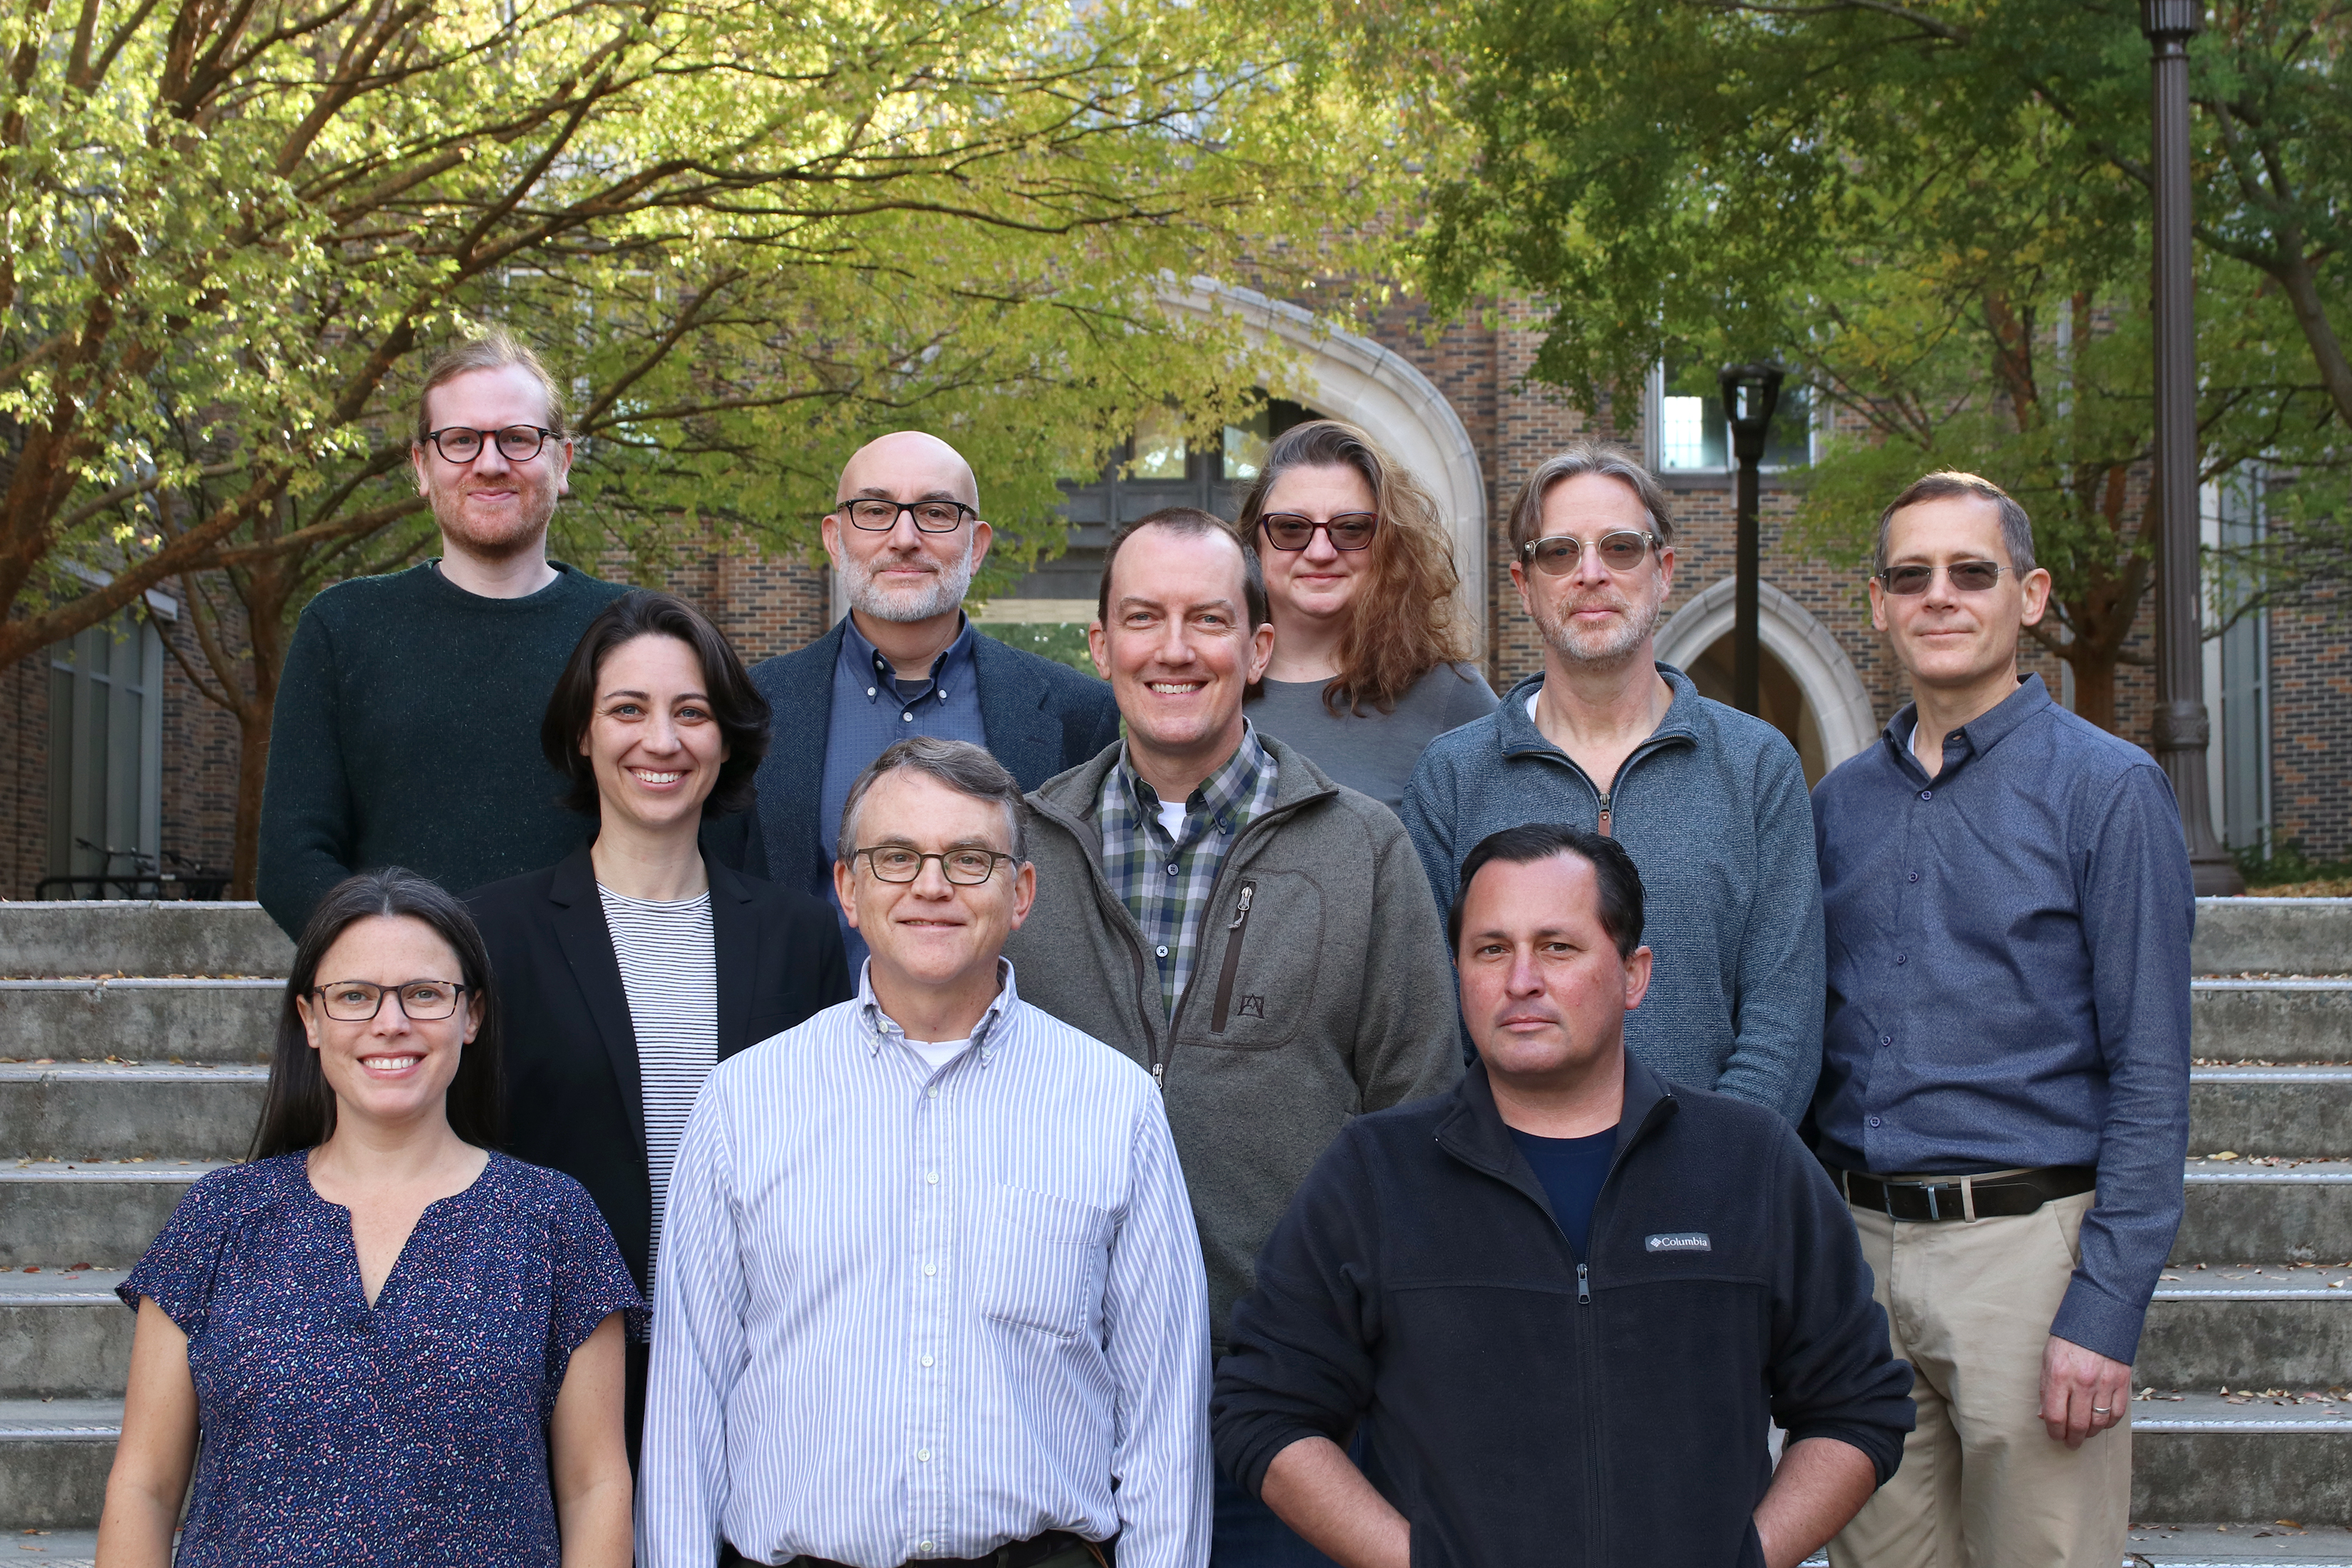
(1809, 688)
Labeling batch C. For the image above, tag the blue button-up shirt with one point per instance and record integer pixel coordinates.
(2009, 978)
(909, 1311)
(873, 709)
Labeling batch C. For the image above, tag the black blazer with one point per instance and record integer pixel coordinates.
(1041, 719)
(574, 1100)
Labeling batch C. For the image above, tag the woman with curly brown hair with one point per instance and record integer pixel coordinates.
(1369, 664)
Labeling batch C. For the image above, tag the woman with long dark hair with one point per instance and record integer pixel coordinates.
(395, 1345)
(1369, 664)
(629, 969)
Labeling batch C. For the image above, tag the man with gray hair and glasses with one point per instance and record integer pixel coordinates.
(1709, 802)
(930, 1291)
(905, 537)
(2004, 1096)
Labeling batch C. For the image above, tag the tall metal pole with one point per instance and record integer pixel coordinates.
(1751, 393)
(2181, 728)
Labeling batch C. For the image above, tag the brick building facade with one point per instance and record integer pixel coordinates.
(769, 605)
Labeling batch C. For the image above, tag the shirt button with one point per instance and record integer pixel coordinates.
(934, 1092)
(1902, 958)
(869, 692)
(907, 718)
(923, 1545)
(1885, 1039)
(924, 1454)
(1915, 876)
(930, 1268)
(1926, 794)
(932, 1177)
(1163, 952)
(927, 1361)
(1874, 1121)
(1171, 867)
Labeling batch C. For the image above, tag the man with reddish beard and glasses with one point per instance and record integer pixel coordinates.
(906, 535)
(1709, 802)
(406, 725)
(1210, 902)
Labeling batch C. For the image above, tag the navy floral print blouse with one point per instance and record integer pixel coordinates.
(412, 1432)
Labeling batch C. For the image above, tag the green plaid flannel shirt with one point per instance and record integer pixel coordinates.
(1164, 884)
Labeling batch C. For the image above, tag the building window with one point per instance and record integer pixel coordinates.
(1685, 411)
(1159, 445)
(2237, 671)
(106, 758)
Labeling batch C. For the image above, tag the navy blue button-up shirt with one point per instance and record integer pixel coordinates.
(2009, 978)
(873, 709)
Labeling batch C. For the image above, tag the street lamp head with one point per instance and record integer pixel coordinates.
(1751, 394)
(2171, 20)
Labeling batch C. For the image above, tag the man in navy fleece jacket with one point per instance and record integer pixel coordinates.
(1566, 1297)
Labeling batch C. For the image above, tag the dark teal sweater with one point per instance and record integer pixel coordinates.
(406, 733)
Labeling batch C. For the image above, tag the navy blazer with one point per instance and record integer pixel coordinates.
(1042, 719)
(574, 1100)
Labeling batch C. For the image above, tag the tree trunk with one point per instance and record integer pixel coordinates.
(2094, 683)
(252, 769)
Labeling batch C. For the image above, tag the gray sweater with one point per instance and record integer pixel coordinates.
(1330, 995)
(1713, 809)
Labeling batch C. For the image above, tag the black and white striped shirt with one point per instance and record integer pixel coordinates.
(670, 972)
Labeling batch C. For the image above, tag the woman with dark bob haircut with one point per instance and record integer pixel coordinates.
(397, 1345)
(631, 969)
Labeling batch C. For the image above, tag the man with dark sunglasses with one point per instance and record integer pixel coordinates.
(1709, 801)
(2004, 1093)
(406, 724)
(905, 537)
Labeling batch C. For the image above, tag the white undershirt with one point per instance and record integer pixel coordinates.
(937, 1054)
(1172, 820)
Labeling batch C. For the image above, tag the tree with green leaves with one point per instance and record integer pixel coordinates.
(1937, 214)
(747, 235)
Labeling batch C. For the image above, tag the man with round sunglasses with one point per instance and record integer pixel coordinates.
(1709, 802)
(905, 537)
(2004, 1093)
(405, 729)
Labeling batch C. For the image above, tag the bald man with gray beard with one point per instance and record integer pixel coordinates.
(905, 536)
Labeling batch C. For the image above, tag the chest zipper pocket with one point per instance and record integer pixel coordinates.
(1236, 928)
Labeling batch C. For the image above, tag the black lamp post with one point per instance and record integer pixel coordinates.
(1751, 393)
(2181, 728)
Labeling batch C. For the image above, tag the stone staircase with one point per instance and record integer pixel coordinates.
(133, 1038)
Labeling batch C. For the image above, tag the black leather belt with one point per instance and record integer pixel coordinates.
(1995, 1194)
(1013, 1554)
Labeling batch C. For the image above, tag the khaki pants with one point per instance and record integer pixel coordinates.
(1969, 1304)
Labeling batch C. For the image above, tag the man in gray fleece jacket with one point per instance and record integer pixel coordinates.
(1710, 802)
(1259, 938)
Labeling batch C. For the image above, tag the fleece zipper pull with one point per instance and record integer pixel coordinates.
(1604, 814)
(1583, 1287)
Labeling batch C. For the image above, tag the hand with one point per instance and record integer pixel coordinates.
(2081, 1391)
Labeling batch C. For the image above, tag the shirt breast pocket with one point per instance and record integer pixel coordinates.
(1041, 1260)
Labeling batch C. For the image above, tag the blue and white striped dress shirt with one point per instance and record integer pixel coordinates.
(906, 1314)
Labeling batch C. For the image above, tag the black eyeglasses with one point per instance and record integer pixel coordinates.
(931, 516)
(517, 443)
(1966, 577)
(964, 867)
(357, 1001)
(1557, 555)
(1349, 530)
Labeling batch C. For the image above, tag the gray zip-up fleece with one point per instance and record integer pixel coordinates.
(1713, 809)
(1321, 990)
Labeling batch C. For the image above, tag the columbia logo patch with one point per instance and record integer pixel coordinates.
(1677, 1241)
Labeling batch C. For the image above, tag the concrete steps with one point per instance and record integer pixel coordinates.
(132, 1040)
